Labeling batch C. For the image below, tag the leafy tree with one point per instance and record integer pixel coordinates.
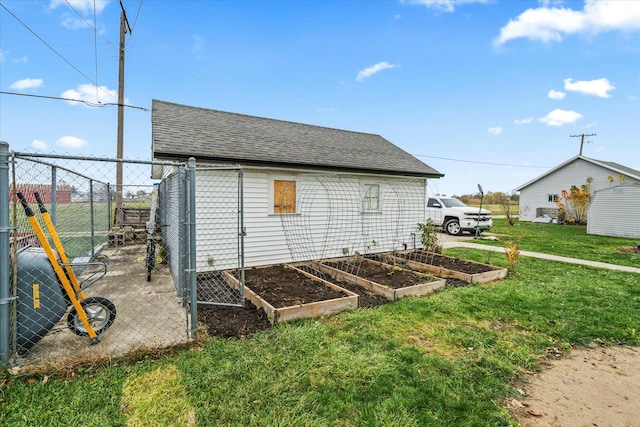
(574, 203)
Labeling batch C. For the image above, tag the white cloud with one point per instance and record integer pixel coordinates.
(90, 94)
(39, 145)
(370, 71)
(71, 142)
(559, 117)
(548, 24)
(497, 130)
(523, 121)
(27, 83)
(599, 87)
(556, 94)
(443, 5)
(22, 60)
(72, 22)
(84, 7)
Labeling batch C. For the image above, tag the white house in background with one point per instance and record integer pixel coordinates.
(309, 192)
(615, 212)
(538, 196)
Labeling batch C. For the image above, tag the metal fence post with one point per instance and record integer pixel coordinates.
(242, 233)
(5, 294)
(183, 232)
(193, 275)
(92, 220)
(54, 193)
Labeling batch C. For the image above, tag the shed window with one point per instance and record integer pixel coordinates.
(371, 200)
(284, 197)
(552, 198)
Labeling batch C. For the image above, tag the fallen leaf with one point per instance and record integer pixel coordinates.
(534, 413)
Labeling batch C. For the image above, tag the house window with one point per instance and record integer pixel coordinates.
(552, 198)
(284, 197)
(371, 200)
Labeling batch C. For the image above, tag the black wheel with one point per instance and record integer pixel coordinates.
(101, 314)
(453, 227)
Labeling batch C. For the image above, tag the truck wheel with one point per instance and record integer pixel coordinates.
(453, 227)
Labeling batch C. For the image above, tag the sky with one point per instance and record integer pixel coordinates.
(489, 92)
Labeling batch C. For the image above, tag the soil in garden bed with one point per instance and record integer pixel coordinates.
(366, 298)
(238, 322)
(454, 264)
(392, 278)
(283, 286)
(232, 322)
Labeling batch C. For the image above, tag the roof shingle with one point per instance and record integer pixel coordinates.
(181, 131)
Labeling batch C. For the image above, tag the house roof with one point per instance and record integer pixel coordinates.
(181, 131)
(614, 167)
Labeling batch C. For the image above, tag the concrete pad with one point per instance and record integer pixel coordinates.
(148, 314)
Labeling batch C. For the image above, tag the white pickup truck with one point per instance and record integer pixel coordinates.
(455, 217)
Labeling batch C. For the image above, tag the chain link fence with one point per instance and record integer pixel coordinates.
(98, 269)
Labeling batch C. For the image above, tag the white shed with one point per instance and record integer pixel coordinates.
(615, 212)
(539, 195)
(309, 192)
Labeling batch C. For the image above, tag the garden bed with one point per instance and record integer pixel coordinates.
(286, 293)
(444, 266)
(382, 279)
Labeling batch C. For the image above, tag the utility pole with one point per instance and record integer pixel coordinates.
(582, 136)
(124, 27)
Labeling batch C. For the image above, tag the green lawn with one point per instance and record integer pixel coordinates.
(564, 240)
(449, 359)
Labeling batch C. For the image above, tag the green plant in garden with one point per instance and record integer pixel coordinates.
(512, 250)
(393, 270)
(429, 237)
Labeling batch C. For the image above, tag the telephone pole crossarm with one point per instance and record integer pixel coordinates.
(582, 136)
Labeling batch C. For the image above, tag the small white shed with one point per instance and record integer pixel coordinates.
(614, 212)
(308, 192)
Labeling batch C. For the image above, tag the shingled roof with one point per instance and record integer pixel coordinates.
(614, 167)
(211, 136)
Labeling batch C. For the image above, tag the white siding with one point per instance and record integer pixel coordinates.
(576, 173)
(615, 212)
(328, 217)
(217, 221)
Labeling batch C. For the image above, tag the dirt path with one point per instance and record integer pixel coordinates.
(591, 387)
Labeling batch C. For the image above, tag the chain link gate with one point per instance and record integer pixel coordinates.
(219, 236)
(73, 289)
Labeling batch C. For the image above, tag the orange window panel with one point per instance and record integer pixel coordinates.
(284, 197)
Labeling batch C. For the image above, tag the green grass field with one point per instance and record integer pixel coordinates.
(450, 359)
(564, 240)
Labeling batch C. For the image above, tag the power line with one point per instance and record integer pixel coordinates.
(95, 42)
(52, 49)
(90, 104)
(135, 21)
(483, 163)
